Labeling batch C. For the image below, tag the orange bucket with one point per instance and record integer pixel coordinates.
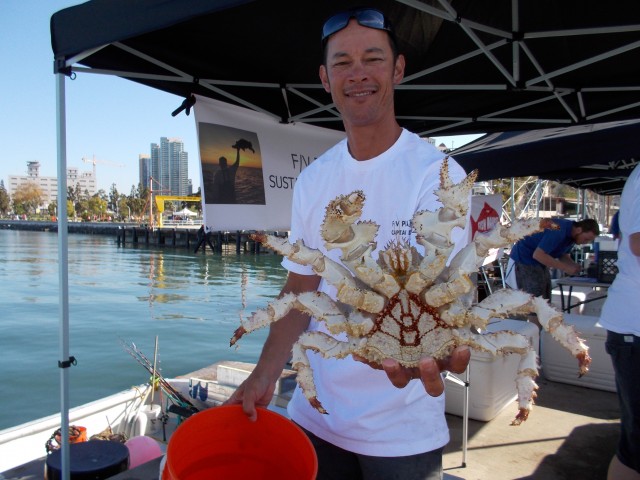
(222, 443)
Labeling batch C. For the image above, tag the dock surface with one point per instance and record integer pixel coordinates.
(571, 433)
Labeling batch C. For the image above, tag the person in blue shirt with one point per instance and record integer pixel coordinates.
(533, 256)
(614, 229)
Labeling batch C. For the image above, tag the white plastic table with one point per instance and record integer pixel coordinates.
(580, 282)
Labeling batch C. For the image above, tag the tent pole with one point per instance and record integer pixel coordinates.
(538, 196)
(63, 273)
(465, 415)
(513, 199)
(465, 407)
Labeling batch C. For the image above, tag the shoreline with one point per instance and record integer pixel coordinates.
(135, 234)
(95, 228)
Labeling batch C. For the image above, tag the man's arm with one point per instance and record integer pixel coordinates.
(258, 388)
(564, 264)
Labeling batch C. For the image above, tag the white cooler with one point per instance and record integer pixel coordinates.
(492, 380)
(559, 365)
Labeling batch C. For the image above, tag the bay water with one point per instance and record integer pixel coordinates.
(191, 301)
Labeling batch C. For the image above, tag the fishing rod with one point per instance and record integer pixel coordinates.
(142, 359)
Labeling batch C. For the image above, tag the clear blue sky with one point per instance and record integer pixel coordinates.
(111, 118)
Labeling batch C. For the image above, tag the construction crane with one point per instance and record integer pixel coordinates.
(150, 200)
(94, 161)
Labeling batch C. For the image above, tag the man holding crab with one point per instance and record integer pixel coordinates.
(373, 430)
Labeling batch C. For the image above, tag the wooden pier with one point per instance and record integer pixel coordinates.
(194, 239)
(128, 234)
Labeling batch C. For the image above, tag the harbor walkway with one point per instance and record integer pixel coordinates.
(571, 433)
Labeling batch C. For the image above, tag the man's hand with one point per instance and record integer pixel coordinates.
(572, 269)
(255, 391)
(428, 370)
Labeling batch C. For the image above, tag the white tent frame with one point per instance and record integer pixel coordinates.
(63, 272)
(542, 83)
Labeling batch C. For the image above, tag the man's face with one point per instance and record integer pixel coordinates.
(582, 237)
(360, 74)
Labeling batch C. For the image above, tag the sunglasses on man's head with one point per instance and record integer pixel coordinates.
(367, 17)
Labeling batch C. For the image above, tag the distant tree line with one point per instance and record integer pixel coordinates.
(114, 205)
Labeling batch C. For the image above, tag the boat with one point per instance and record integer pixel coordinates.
(143, 410)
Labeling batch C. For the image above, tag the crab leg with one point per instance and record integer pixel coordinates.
(316, 304)
(328, 347)
(340, 215)
(447, 292)
(502, 343)
(515, 301)
(356, 240)
(332, 271)
(552, 321)
(433, 229)
(471, 257)
(502, 236)
(455, 196)
(500, 304)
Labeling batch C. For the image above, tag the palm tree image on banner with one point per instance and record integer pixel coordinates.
(231, 165)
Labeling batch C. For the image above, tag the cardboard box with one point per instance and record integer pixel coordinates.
(492, 380)
(559, 365)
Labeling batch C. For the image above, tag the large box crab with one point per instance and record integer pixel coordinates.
(407, 305)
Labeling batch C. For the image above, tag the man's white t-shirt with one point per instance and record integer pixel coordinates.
(367, 414)
(621, 311)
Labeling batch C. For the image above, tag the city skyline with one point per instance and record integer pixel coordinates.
(167, 163)
(167, 168)
(107, 117)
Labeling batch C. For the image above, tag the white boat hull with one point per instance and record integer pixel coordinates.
(132, 413)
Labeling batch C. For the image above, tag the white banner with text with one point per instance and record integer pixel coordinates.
(249, 165)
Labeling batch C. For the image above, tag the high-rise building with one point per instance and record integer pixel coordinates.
(168, 167)
(144, 169)
(85, 180)
(154, 167)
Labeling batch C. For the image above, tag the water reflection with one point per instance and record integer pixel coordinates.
(191, 301)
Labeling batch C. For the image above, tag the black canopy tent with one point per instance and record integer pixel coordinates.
(597, 157)
(473, 66)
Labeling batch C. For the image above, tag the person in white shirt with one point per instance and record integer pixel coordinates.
(621, 317)
(386, 423)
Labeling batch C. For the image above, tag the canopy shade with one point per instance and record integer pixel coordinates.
(186, 212)
(598, 157)
(473, 66)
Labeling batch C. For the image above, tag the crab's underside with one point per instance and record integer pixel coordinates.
(408, 305)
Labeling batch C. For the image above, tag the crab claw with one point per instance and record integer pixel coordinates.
(237, 335)
(584, 361)
(315, 403)
(258, 237)
(549, 224)
(522, 416)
